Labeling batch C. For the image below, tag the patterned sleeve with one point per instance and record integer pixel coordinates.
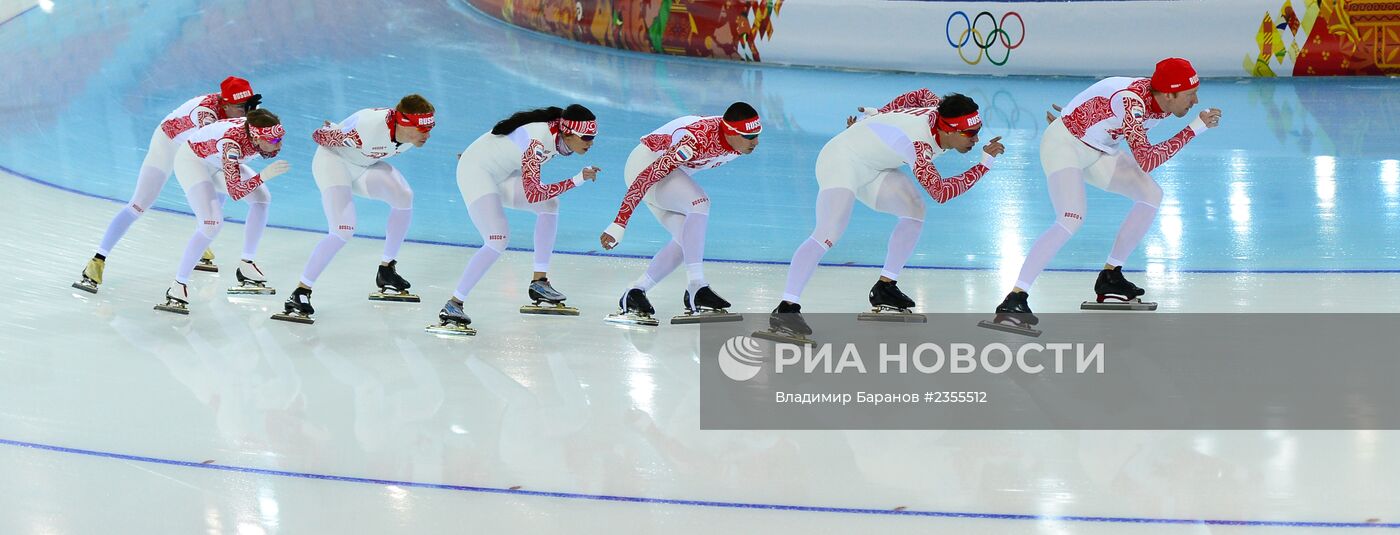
(942, 189)
(232, 157)
(919, 98)
(338, 135)
(1149, 156)
(530, 175)
(670, 160)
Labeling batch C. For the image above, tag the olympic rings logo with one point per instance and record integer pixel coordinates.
(984, 40)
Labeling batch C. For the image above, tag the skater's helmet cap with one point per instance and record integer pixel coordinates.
(235, 90)
(1174, 75)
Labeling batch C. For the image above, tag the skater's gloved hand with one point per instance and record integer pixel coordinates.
(275, 169)
(1210, 118)
(611, 236)
(588, 174)
(1050, 116)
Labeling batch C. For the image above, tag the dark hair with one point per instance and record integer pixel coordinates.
(739, 111)
(956, 105)
(574, 112)
(414, 103)
(262, 118)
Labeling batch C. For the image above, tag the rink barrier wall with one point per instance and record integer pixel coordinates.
(1028, 37)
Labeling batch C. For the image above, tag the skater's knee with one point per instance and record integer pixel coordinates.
(550, 206)
(402, 199)
(699, 205)
(497, 241)
(343, 231)
(210, 227)
(1070, 221)
(1151, 194)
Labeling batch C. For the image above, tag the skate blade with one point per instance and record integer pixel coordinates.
(210, 268)
(294, 318)
(252, 290)
(1010, 328)
(86, 287)
(626, 319)
(172, 308)
(451, 330)
(398, 298)
(1131, 304)
(549, 310)
(895, 316)
(706, 317)
(774, 336)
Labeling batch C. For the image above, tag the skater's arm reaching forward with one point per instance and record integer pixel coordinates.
(530, 175)
(233, 172)
(944, 189)
(1151, 156)
(335, 136)
(680, 152)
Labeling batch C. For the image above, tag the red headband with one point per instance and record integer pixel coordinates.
(421, 121)
(270, 134)
(971, 121)
(582, 128)
(745, 127)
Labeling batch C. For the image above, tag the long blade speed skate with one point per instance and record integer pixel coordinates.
(1014, 316)
(1116, 293)
(452, 321)
(392, 287)
(297, 308)
(251, 281)
(206, 262)
(542, 292)
(706, 307)
(177, 300)
(786, 326)
(890, 304)
(634, 309)
(92, 276)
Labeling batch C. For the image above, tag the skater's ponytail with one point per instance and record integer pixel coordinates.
(574, 112)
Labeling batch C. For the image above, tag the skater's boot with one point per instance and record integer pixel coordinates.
(704, 299)
(1112, 285)
(177, 299)
(634, 309)
(206, 262)
(392, 287)
(452, 320)
(788, 317)
(250, 280)
(298, 307)
(542, 291)
(1016, 308)
(886, 295)
(1014, 316)
(92, 275)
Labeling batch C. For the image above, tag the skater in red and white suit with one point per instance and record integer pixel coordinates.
(1084, 145)
(234, 99)
(659, 172)
(211, 166)
(862, 163)
(349, 161)
(501, 169)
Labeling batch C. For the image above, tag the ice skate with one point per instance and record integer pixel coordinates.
(890, 304)
(633, 309)
(206, 262)
(392, 287)
(452, 321)
(1014, 316)
(297, 309)
(177, 299)
(1118, 292)
(705, 307)
(250, 281)
(92, 276)
(542, 292)
(786, 326)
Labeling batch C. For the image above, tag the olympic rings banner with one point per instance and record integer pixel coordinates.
(1037, 37)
